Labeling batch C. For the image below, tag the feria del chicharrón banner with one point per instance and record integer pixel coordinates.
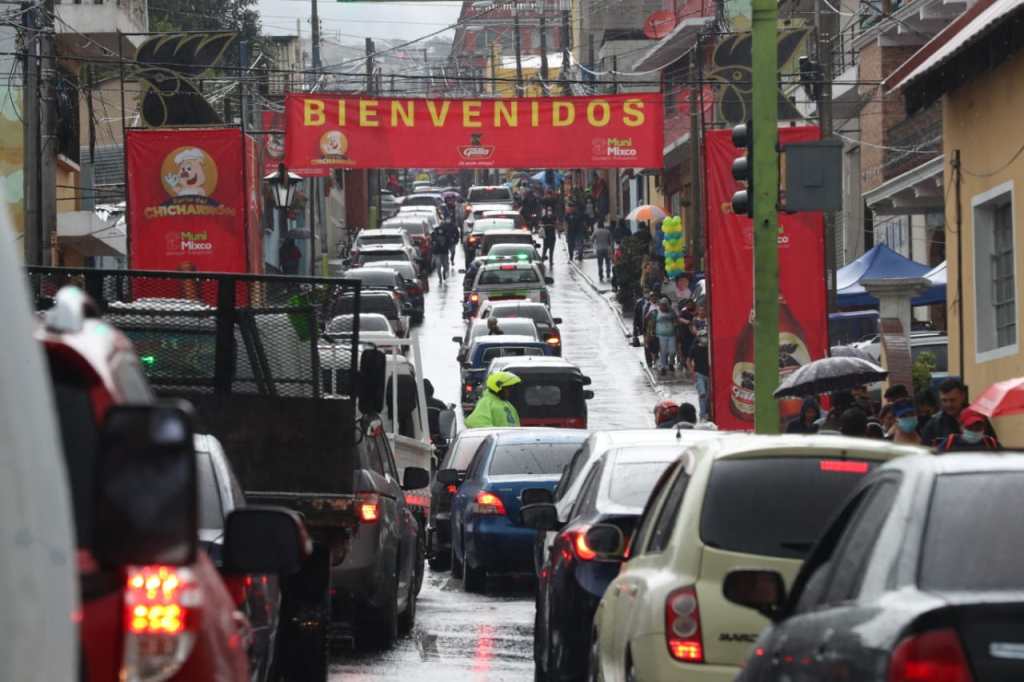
(327, 131)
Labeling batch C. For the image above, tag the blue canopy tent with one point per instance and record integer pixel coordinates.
(539, 177)
(881, 262)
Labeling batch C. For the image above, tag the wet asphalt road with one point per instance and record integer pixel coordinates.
(489, 637)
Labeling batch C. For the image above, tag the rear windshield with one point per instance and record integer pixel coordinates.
(532, 458)
(974, 535)
(510, 351)
(492, 194)
(379, 239)
(542, 397)
(517, 276)
(506, 249)
(384, 305)
(211, 513)
(420, 201)
(632, 482)
(522, 240)
(494, 224)
(374, 256)
(342, 324)
(776, 506)
(373, 278)
(539, 314)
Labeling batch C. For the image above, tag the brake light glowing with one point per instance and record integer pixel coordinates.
(161, 612)
(580, 546)
(489, 504)
(554, 341)
(475, 298)
(935, 656)
(682, 626)
(507, 267)
(843, 466)
(452, 489)
(368, 507)
(473, 239)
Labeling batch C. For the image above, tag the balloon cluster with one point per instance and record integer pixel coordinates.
(674, 241)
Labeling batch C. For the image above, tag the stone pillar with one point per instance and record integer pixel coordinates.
(894, 295)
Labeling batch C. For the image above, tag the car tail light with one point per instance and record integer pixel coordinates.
(489, 504)
(845, 466)
(452, 489)
(577, 539)
(473, 239)
(161, 617)
(368, 507)
(553, 341)
(415, 290)
(682, 626)
(935, 656)
(475, 298)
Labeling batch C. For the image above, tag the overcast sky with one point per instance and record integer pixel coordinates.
(405, 19)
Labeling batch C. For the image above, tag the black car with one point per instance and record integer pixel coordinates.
(415, 284)
(574, 577)
(547, 326)
(388, 279)
(387, 303)
(919, 577)
(439, 533)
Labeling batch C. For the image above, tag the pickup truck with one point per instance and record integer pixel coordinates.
(244, 349)
(504, 281)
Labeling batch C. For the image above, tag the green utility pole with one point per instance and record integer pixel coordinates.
(765, 99)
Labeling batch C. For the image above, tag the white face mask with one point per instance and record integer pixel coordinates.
(972, 437)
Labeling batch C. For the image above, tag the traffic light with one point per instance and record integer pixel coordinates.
(743, 169)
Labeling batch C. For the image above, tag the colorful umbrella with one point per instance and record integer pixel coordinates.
(1001, 398)
(647, 212)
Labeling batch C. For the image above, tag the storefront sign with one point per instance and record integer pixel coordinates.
(803, 319)
(188, 200)
(351, 131)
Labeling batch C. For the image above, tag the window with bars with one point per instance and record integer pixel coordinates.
(995, 294)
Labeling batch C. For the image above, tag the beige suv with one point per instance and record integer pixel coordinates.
(755, 502)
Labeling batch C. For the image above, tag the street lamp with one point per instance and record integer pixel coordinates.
(282, 187)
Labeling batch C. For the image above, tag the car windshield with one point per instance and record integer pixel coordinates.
(509, 351)
(548, 395)
(512, 275)
(522, 251)
(485, 195)
(420, 200)
(366, 240)
(374, 256)
(538, 313)
(531, 458)
(508, 326)
(385, 305)
(785, 512)
(342, 324)
(974, 534)
(211, 511)
(403, 268)
(372, 278)
(411, 228)
(631, 483)
(490, 224)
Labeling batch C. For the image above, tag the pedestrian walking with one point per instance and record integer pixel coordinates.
(439, 252)
(853, 422)
(603, 249)
(864, 401)
(650, 329)
(905, 429)
(953, 400)
(699, 363)
(806, 421)
(454, 235)
(550, 238)
(665, 328)
(574, 222)
(974, 435)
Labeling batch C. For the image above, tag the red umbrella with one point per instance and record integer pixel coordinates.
(1001, 398)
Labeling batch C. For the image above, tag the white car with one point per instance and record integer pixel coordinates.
(741, 502)
(934, 342)
(427, 213)
(484, 198)
(385, 236)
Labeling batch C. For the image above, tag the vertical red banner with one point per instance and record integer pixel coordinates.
(253, 205)
(273, 142)
(187, 201)
(803, 312)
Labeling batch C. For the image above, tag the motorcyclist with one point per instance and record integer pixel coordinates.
(493, 409)
(439, 252)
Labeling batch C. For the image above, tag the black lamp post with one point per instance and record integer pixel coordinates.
(282, 188)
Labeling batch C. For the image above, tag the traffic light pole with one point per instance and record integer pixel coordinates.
(765, 99)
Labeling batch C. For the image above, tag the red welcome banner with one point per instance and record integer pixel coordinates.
(351, 131)
(189, 203)
(803, 319)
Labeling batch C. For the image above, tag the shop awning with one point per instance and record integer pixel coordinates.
(881, 262)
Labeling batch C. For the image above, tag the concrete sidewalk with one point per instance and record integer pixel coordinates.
(674, 385)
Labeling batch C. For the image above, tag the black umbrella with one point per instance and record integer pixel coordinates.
(829, 374)
(850, 352)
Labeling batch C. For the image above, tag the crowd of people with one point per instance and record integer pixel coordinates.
(946, 424)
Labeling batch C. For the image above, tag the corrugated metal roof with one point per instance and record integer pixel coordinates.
(958, 41)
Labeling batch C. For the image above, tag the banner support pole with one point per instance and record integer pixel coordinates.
(764, 54)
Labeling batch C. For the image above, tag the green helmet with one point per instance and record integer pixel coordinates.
(499, 380)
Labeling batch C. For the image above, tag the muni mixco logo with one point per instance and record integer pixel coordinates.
(614, 147)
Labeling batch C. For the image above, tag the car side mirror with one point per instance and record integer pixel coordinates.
(457, 339)
(449, 476)
(586, 381)
(542, 516)
(270, 540)
(146, 486)
(557, 320)
(549, 280)
(537, 496)
(415, 478)
(587, 395)
(763, 591)
(462, 271)
(607, 541)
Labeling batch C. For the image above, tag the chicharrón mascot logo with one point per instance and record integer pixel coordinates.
(189, 174)
(333, 144)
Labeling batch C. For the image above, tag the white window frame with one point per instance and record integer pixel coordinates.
(983, 278)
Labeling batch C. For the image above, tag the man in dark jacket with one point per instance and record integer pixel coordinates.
(973, 437)
(806, 422)
(953, 400)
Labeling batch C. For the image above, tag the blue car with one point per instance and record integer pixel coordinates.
(488, 536)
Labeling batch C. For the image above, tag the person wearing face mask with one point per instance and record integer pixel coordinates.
(904, 429)
(973, 437)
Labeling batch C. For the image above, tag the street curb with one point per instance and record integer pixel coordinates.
(662, 392)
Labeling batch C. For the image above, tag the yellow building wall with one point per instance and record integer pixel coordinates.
(507, 88)
(982, 120)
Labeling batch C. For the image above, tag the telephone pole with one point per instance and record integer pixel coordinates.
(765, 102)
(518, 47)
(826, 24)
(543, 46)
(40, 179)
(566, 51)
(372, 176)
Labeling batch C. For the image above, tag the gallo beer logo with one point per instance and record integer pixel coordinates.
(476, 151)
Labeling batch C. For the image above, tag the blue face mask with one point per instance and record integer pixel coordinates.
(907, 424)
(972, 437)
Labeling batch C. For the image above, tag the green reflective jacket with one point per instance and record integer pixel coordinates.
(491, 411)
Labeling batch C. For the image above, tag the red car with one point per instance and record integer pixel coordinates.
(154, 607)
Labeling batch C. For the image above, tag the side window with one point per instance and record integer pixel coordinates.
(647, 518)
(662, 530)
(588, 493)
(578, 460)
(387, 457)
(476, 466)
(236, 491)
(373, 455)
(857, 542)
